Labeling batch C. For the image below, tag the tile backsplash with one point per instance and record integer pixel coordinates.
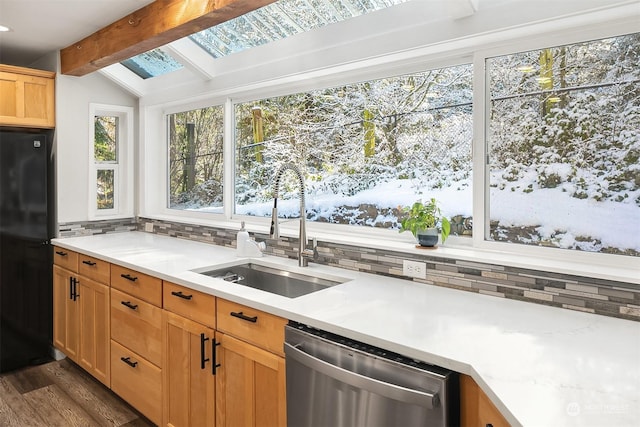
(88, 228)
(597, 296)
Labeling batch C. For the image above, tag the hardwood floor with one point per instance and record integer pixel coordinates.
(61, 394)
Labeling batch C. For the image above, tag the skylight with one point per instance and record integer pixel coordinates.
(273, 22)
(152, 64)
(281, 19)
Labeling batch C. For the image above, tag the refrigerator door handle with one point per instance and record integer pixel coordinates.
(40, 244)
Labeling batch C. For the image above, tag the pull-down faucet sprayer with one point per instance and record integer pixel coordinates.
(303, 253)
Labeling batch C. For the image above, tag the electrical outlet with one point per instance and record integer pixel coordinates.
(414, 269)
(148, 227)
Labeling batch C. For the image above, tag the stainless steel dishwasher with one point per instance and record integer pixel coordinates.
(333, 381)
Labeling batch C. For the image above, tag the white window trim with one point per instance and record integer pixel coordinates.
(123, 168)
(476, 249)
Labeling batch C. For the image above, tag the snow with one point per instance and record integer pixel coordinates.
(552, 210)
(614, 224)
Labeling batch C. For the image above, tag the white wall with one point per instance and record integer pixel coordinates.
(73, 96)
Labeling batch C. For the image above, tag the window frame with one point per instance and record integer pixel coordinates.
(122, 168)
(482, 109)
(475, 249)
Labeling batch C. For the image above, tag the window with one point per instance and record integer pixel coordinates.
(111, 151)
(365, 149)
(279, 20)
(195, 159)
(152, 64)
(564, 146)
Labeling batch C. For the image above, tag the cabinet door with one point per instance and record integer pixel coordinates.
(27, 100)
(250, 385)
(188, 373)
(93, 306)
(475, 407)
(66, 334)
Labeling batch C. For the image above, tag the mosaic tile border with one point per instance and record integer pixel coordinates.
(89, 228)
(596, 296)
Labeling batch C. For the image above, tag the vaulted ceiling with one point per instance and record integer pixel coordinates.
(147, 46)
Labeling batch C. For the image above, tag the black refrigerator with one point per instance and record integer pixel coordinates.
(27, 225)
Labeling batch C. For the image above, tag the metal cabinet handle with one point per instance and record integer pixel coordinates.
(242, 316)
(73, 288)
(89, 263)
(62, 253)
(203, 360)
(214, 365)
(128, 361)
(129, 277)
(392, 391)
(128, 304)
(179, 294)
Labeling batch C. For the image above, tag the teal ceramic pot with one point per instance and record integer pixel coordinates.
(428, 237)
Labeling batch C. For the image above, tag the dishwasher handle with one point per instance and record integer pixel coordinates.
(391, 391)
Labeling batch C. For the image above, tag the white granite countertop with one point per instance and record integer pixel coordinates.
(541, 366)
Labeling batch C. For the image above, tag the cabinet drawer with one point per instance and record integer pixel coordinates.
(137, 325)
(251, 325)
(194, 305)
(93, 268)
(136, 381)
(139, 285)
(65, 258)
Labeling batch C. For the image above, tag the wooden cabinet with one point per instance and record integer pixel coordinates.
(188, 303)
(137, 325)
(136, 340)
(137, 381)
(253, 326)
(81, 326)
(250, 385)
(238, 376)
(189, 372)
(94, 268)
(28, 97)
(190, 359)
(66, 334)
(171, 365)
(137, 284)
(476, 410)
(93, 323)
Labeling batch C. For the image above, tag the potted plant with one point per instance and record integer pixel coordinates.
(423, 219)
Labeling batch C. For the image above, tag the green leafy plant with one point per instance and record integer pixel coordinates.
(421, 216)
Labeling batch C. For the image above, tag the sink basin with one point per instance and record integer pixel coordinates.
(271, 279)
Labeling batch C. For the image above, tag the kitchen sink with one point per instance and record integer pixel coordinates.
(272, 279)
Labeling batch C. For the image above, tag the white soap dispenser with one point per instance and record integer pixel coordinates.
(241, 241)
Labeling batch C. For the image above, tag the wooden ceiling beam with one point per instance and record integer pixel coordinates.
(152, 26)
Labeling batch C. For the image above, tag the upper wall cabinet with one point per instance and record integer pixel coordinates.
(27, 97)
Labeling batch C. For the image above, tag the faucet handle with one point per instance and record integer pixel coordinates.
(274, 231)
(314, 246)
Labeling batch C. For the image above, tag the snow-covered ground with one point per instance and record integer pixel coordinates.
(551, 211)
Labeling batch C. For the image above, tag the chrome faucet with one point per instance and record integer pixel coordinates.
(303, 253)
